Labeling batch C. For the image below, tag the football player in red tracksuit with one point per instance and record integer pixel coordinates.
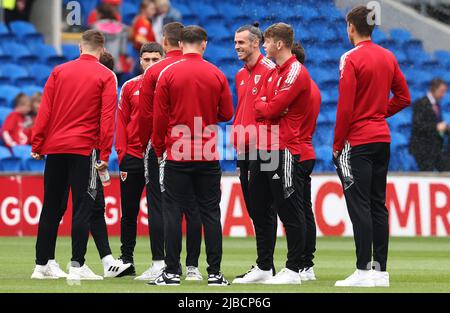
(249, 81)
(191, 97)
(283, 103)
(171, 38)
(307, 161)
(368, 73)
(129, 151)
(76, 116)
(98, 228)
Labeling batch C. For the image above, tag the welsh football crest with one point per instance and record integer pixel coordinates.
(257, 78)
(123, 175)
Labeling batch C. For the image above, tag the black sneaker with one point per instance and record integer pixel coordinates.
(217, 280)
(131, 271)
(166, 279)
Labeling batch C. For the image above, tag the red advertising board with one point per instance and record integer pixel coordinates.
(419, 206)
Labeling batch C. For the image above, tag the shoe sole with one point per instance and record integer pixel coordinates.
(153, 284)
(357, 286)
(270, 283)
(83, 278)
(46, 277)
(218, 285)
(145, 278)
(193, 278)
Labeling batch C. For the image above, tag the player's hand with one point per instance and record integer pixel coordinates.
(441, 127)
(159, 160)
(102, 165)
(335, 154)
(36, 156)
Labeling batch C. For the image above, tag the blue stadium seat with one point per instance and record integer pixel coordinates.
(71, 52)
(234, 15)
(18, 75)
(4, 57)
(113, 160)
(443, 57)
(5, 34)
(8, 162)
(128, 12)
(20, 53)
(219, 33)
(41, 73)
(31, 90)
(7, 95)
(33, 165)
(21, 150)
(25, 32)
(4, 112)
(400, 34)
(206, 12)
(49, 56)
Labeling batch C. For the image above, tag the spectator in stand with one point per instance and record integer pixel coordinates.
(142, 29)
(165, 14)
(116, 37)
(17, 10)
(93, 16)
(429, 130)
(35, 103)
(14, 129)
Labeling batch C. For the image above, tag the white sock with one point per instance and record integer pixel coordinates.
(51, 261)
(159, 263)
(107, 260)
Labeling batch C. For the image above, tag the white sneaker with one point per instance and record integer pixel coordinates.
(359, 278)
(153, 272)
(82, 273)
(116, 269)
(381, 279)
(254, 276)
(192, 273)
(307, 274)
(55, 269)
(43, 272)
(284, 277)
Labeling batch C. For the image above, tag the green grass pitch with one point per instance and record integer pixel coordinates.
(415, 265)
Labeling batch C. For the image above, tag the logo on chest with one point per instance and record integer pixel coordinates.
(257, 78)
(254, 91)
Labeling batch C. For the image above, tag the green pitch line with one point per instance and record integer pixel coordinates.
(415, 265)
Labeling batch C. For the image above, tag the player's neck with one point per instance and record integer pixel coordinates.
(358, 40)
(282, 57)
(94, 54)
(170, 49)
(252, 60)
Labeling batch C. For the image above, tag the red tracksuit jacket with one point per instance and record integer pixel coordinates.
(147, 92)
(308, 124)
(191, 95)
(127, 132)
(77, 112)
(288, 87)
(249, 82)
(368, 73)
